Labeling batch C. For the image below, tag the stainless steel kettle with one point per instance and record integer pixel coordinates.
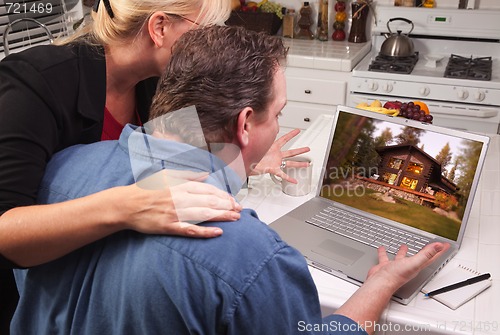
(398, 45)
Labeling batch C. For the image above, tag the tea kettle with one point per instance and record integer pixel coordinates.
(398, 45)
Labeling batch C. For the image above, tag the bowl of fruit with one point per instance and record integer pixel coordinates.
(414, 110)
(258, 16)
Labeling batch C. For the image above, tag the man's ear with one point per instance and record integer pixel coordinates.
(244, 126)
(156, 28)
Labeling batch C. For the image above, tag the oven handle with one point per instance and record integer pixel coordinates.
(435, 107)
(471, 112)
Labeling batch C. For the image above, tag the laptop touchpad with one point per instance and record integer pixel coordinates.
(338, 252)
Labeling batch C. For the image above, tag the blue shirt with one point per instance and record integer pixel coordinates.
(248, 281)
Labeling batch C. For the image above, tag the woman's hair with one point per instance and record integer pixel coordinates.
(130, 16)
(219, 70)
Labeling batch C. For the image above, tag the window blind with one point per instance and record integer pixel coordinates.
(51, 13)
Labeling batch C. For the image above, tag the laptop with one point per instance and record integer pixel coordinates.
(388, 181)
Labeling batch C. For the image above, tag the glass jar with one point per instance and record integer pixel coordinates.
(289, 23)
(305, 22)
(322, 33)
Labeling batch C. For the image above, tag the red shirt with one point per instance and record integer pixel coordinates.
(111, 129)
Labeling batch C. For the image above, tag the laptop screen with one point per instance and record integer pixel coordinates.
(418, 175)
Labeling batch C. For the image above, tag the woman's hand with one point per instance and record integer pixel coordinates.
(271, 162)
(165, 203)
(172, 202)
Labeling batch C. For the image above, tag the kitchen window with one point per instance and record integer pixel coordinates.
(31, 21)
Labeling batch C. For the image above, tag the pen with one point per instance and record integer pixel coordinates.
(459, 284)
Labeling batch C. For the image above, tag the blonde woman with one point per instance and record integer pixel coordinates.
(85, 90)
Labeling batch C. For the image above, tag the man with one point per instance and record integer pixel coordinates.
(248, 281)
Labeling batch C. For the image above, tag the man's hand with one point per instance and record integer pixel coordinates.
(366, 305)
(271, 162)
(402, 269)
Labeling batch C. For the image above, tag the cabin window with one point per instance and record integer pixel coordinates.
(416, 168)
(409, 183)
(395, 163)
(389, 178)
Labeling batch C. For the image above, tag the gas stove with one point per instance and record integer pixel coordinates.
(383, 63)
(469, 68)
(456, 68)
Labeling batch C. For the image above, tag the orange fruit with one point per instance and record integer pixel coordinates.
(340, 16)
(423, 106)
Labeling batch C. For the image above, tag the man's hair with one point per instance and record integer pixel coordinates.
(220, 70)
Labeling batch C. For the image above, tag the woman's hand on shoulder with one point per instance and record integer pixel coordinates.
(173, 202)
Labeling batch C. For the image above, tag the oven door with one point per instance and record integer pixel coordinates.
(470, 117)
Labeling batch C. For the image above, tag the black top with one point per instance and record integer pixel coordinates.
(51, 97)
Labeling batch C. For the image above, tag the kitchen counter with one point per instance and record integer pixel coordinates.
(479, 251)
(327, 55)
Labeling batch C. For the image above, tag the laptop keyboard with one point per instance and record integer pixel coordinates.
(367, 231)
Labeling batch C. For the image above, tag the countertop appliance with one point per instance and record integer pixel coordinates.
(455, 69)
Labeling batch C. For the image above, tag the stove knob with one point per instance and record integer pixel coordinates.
(424, 91)
(479, 96)
(373, 86)
(387, 87)
(462, 94)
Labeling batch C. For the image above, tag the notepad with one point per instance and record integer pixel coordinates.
(456, 298)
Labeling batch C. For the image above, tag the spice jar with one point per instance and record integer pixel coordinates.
(322, 32)
(289, 23)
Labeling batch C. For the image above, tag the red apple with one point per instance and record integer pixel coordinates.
(393, 104)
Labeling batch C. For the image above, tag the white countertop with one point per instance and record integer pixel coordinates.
(480, 248)
(325, 55)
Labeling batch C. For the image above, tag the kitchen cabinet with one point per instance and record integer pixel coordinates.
(311, 93)
(317, 76)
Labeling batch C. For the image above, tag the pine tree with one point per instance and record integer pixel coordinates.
(410, 136)
(444, 157)
(452, 174)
